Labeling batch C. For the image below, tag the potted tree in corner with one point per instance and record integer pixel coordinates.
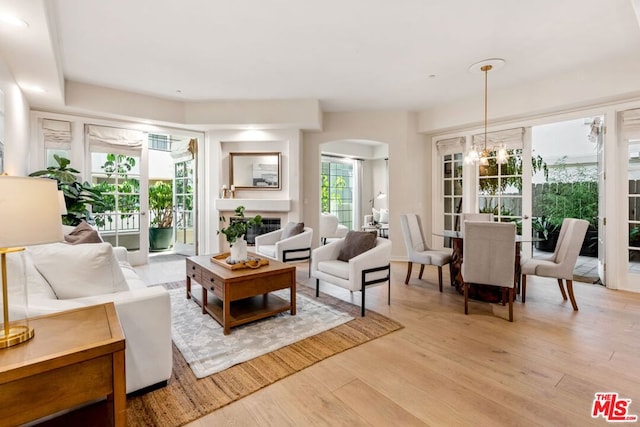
(161, 207)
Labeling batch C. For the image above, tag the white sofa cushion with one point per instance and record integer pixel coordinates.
(17, 273)
(95, 269)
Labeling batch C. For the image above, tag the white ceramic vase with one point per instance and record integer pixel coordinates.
(239, 250)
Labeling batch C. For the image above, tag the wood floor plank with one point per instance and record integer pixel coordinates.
(358, 395)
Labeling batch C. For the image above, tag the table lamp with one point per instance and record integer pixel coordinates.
(29, 215)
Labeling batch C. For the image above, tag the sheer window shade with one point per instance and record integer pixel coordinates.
(57, 134)
(631, 124)
(450, 146)
(511, 138)
(102, 138)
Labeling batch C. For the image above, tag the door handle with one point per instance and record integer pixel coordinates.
(525, 217)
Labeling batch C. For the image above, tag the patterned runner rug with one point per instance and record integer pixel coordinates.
(186, 398)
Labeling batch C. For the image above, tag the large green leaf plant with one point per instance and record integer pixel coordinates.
(79, 196)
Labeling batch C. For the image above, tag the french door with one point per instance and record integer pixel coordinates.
(122, 221)
(184, 203)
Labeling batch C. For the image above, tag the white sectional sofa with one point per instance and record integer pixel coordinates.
(60, 277)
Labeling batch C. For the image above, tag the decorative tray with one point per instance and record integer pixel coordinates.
(253, 262)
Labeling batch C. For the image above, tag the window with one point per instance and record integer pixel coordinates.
(117, 176)
(159, 142)
(500, 186)
(634, 204)
(337, 188)
(452, 190)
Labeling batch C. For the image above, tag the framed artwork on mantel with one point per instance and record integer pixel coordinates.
(255, 171)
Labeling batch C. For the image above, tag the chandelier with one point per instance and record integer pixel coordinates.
(480, 154)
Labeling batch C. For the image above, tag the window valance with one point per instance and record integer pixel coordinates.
(510, 138)
(450, 146)
(110, 138)
(57, 134)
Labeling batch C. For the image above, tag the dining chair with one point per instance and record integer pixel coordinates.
(471, 216)
(561, 264)
(489, 252)
(417, 249)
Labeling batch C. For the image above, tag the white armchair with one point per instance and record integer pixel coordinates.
(369, 268)
(294, 248)
(330, 228)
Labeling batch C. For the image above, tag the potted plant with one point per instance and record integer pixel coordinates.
(77, 194)
(161, 206)
(547, 229)
(235, 232)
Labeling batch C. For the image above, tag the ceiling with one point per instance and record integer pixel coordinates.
(348, 54)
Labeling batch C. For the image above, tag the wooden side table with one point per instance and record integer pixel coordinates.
(75, 357)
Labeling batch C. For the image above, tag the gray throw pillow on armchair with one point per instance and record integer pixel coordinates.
(356, 243)
(292, 229)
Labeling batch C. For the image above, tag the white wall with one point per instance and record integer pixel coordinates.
(16, 124)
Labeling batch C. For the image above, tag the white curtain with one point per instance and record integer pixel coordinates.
(631, 124)
(103, 138)
(450, 146)
(510, 138)
(57, 134)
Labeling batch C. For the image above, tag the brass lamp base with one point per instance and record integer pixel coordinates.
(17, 334)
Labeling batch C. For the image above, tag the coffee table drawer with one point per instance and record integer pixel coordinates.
(213, 283)
(194, 272)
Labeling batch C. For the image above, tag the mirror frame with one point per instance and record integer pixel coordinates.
(239, 184)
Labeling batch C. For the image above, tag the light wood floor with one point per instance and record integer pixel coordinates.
(445, 368)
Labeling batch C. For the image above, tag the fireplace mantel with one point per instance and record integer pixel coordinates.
(254, 205)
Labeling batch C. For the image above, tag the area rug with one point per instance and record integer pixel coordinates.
(207, 350)
(186, 398)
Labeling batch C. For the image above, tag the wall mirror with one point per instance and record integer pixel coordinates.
(254, 170)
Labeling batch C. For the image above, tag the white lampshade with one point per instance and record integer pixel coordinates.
(29, 211)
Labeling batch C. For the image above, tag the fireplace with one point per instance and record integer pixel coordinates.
(268, 225)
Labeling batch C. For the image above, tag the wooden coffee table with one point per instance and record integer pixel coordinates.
(236, 297)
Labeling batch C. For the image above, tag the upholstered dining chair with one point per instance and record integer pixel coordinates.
(470, 216)
(489, 253)
(561, 264)
(417, 249)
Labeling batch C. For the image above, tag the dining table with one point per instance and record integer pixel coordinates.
(478, 291)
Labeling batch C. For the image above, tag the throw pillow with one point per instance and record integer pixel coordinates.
(384, 216)
(292, 229)
(376, 214)
(356, 243)
(75, 271)
(83, 233)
